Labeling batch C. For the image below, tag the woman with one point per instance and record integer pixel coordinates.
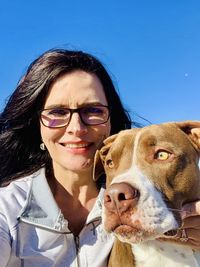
(59, 115)
(50, 207)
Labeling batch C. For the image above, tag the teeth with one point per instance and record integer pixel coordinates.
(76, 145)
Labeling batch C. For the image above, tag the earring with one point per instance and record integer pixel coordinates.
(42, 146)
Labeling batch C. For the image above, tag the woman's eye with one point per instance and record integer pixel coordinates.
(58, 112)
(162, 155)
(92, 110)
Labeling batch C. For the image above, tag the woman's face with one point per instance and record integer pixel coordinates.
(73, 147)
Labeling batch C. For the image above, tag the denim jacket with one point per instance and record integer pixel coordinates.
(33, 231)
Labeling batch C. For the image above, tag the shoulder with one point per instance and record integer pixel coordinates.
(15, 190)
(14, 197)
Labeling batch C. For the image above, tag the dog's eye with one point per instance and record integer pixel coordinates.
(162, 155)
(110, 163)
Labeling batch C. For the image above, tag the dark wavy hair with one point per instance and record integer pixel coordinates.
(20, 138)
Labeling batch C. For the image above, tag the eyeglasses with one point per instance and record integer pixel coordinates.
(60, 117)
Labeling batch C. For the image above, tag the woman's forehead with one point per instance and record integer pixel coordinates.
(75, 89)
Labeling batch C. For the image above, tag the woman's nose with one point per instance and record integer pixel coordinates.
(76, 126)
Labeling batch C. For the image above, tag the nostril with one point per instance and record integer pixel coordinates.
(130, 193)
(107, 198)
(120, 192)
(120, 197)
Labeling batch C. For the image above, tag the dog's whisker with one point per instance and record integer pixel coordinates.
(172, 209)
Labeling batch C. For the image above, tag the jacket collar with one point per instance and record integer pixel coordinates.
(42, 210)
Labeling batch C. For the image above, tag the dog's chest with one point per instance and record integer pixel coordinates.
(164, 254)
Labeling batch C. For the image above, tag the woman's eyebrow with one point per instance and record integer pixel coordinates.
(92, 104)
(55, 106)
(81, 105)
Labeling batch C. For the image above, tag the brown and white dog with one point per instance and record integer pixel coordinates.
(151, 173)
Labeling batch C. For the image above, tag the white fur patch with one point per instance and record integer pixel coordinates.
(151, 212)
(162, 254)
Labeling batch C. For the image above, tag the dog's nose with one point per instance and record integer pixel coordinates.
(120, 197)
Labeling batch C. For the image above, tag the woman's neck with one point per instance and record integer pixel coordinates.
(79, 185)
(74, 192)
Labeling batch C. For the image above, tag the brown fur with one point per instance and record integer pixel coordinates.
(117, 258)
(170, 177)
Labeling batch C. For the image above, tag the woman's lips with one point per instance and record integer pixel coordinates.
(77, 147)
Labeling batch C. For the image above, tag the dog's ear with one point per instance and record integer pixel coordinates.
(107, 144)
(100, 155)
(192, 129)
(98, 168)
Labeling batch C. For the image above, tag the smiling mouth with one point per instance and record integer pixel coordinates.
(76, 146)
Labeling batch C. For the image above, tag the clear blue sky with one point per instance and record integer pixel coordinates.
(151, 48)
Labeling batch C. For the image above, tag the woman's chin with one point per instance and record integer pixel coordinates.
(79, 165)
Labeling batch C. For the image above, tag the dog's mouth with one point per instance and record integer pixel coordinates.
(125, 230)
(170, 233)
(130, 234)
(133, 235)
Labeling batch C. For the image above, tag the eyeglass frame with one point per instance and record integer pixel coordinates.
(75, 110)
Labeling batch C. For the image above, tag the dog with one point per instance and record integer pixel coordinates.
(151, 172)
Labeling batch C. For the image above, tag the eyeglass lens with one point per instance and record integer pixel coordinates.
(60, 117)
